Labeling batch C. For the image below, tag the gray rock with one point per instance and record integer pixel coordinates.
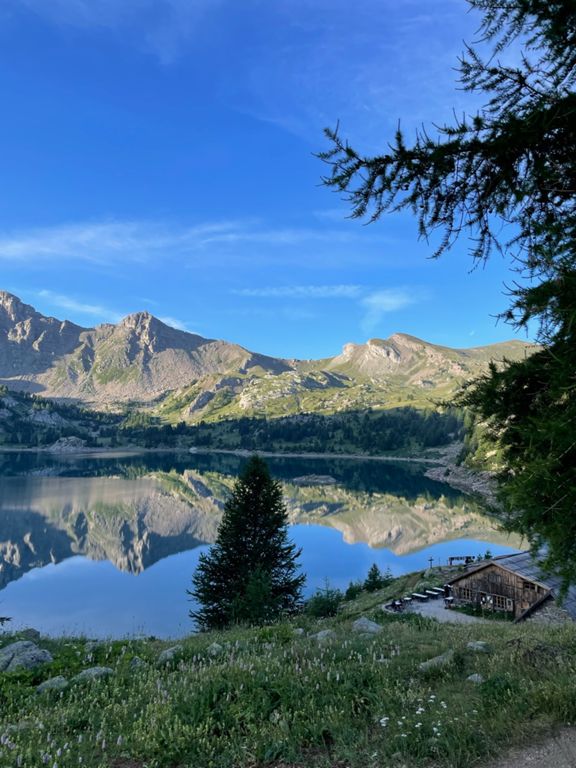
(478, 646)
(324, 635)
(169, 654)
(215, 649)
(136, 663)
(53, 684)
(23, 654)
(92, 673)
(30, 634)
(298, 632)
(367, 626)
(475, 678)
(438, 661)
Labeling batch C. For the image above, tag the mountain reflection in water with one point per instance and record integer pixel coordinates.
(136, 510)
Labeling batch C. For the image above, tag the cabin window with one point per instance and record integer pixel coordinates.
(529, 585)
(502, 603)
(465, 593)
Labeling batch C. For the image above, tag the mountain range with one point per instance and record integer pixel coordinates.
(143, 362)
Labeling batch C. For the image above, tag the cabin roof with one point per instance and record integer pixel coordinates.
(526, 566)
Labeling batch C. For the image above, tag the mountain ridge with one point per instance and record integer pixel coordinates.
(183, 375)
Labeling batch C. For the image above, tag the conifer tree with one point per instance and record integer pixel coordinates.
(505, 178)
(251, 572)
(374, 580)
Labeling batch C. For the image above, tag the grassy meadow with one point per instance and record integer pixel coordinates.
(274, 697)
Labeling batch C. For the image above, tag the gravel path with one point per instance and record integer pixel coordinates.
(558, 751)
(434, 609)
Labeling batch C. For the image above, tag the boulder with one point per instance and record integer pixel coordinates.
(475, 678)
(53, 684)
(324, 635)
(298, 632)
(438, 661)
(136, 663)
(67, 445)
(215, 649)
(169, 654)
(23, 654)
(366, 626)
(92, 673)
(478, 646)
(30, 634)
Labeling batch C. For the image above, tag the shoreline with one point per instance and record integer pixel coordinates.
(441, 468)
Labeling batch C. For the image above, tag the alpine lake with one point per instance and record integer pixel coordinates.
(104, 545)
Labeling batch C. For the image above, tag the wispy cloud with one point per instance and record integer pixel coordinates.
(303, 292)
(373, 304)
(173, 322)
(71, 304)
(109, 241)
(100, 312)
(380, 303)
(163, 27)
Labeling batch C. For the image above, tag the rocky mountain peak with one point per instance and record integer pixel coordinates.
(140, 320)
(14, 310)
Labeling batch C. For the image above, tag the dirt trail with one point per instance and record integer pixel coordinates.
(558, 751)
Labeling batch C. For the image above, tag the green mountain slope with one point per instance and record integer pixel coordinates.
(143, 363)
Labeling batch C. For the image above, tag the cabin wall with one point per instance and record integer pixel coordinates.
(498, 589)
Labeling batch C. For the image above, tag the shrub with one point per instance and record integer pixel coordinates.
(324, 602)
(354, 589)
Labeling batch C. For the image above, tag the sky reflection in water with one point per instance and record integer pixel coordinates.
(92, 597)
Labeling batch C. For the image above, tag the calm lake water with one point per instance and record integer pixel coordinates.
(105, 545)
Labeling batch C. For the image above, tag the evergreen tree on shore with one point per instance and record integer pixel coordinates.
(251, 573)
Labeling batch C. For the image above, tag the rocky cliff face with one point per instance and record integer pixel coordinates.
(418, 361)
(29, 342)
(140, 358)
(143, 360)
(131, 523)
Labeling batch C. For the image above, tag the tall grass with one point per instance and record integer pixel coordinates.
(271, 697)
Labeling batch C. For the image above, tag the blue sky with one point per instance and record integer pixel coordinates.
(159, 155)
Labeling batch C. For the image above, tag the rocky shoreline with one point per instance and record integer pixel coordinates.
(480, 483)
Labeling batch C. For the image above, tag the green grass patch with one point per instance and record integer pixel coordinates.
(271, 695)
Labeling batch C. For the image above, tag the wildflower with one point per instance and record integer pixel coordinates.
(420, 710)
(443, 705)
(418, 725)
(384, 721)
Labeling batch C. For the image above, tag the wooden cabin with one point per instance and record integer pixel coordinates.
(513, 584)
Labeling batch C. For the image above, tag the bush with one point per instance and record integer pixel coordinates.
(324, 602)
(376, 579)
(354, 589)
